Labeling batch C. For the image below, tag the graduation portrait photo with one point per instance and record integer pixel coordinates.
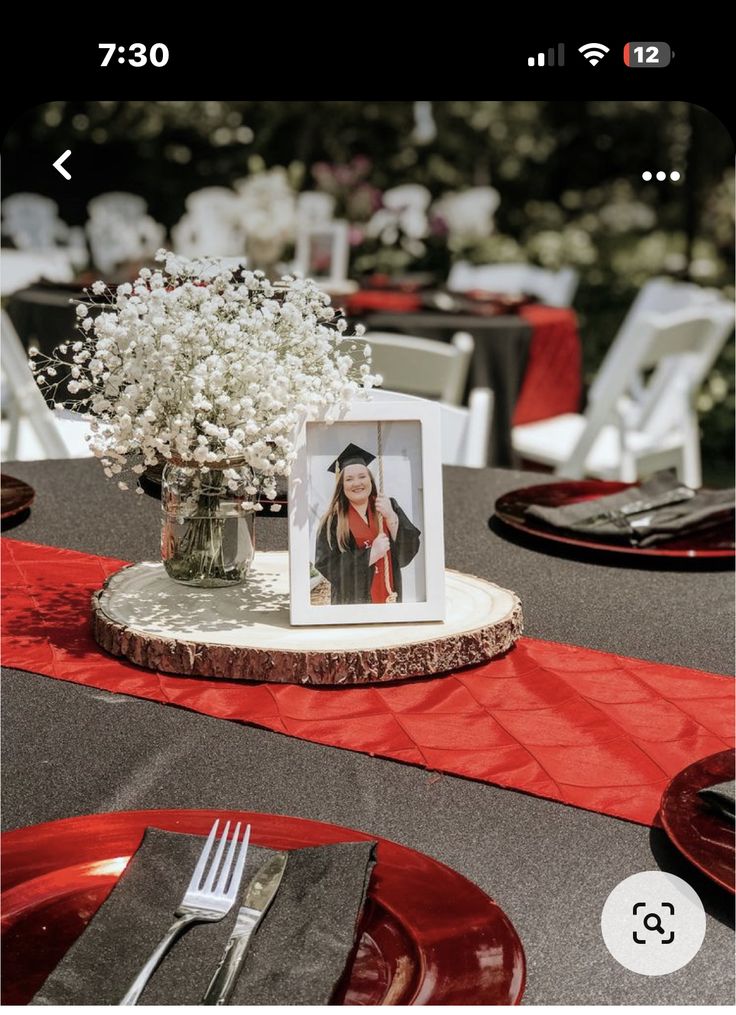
(365, 509)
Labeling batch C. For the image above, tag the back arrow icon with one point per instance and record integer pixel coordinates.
(58, 164)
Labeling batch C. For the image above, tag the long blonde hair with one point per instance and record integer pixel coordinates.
(338, 509)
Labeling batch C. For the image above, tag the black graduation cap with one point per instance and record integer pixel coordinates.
(351, 455)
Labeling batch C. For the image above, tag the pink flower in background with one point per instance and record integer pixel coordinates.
(356, 236)
(437, 224)
(346, 182)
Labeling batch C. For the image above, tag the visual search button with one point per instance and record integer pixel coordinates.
(653, 923)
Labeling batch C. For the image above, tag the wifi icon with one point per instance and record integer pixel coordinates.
(593, 52)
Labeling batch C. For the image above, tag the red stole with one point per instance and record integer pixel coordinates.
(364, 533)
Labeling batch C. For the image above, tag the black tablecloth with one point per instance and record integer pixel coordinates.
(499, 360)
(73, 750)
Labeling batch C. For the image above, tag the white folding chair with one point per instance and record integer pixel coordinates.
(422, 366)
(119, 230)
(626, 439)
(118, 203)
(555, 288)
(30, 429)
(211, 225)
(466, 432)
(199, 235)
(32, 222)
(661, 296)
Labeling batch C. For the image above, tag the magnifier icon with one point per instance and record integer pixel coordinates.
(657, 925)
(653, 921)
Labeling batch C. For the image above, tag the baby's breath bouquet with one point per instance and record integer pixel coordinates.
(204, 366)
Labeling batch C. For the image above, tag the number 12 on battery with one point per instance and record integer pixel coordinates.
(647, 54)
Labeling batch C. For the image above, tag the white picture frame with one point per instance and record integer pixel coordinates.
(322, 252)
(412, 474)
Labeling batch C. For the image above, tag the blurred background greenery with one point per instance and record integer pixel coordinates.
(568, 175)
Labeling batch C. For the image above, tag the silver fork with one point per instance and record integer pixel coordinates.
(203, 902)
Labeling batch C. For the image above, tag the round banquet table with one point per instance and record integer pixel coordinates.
(72, 750)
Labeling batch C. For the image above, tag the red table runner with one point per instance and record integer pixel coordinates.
(587, 728)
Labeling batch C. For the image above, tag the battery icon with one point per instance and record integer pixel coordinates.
(647, 54)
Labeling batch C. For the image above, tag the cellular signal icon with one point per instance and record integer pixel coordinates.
(548, 59)
(593, 52)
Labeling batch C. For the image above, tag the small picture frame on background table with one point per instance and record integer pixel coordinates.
(322, 252)
(366, 539)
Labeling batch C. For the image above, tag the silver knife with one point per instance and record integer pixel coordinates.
(257, 898)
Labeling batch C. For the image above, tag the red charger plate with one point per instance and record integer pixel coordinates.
(427, 936)
(706, 839)
(716, 542)
(15, 496)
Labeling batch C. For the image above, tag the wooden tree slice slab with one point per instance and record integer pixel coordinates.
(243, 633)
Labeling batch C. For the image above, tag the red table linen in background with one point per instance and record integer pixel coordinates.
(366, 300)
(587, 728)
(553, 378)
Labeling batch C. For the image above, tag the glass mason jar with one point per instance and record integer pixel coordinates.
(207, 535)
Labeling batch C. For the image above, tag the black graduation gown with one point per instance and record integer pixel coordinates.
(349, 573)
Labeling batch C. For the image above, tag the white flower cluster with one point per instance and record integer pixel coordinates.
(267, 207)
(468, 214)
(200, 364)
(404, 212)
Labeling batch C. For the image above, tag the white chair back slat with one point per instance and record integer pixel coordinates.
(118, 203)
(422, 366)
(32, 222)
(658, 295)
(555, 288)
(687, 351)
(675, 334)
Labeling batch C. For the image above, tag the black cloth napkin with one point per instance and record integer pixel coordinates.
(662, 508)
(297, 956)
(721, 797)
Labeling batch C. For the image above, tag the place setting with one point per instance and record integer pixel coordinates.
(697, 813)
(16, 498)
(660, 519)
(162, 907)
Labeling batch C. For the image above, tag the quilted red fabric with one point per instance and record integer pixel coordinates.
(553, 377)
(587, 728)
